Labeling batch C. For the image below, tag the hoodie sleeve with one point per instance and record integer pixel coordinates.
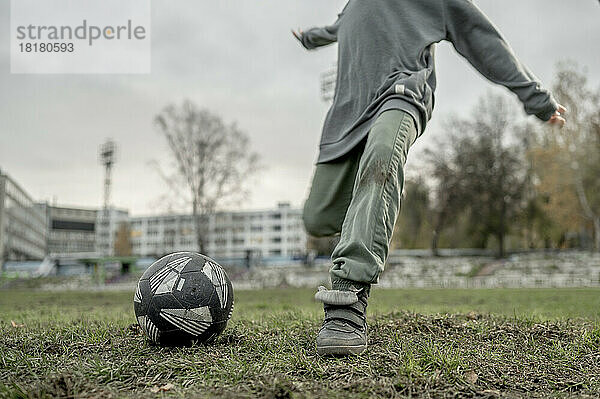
(479, 41)
(317, 37)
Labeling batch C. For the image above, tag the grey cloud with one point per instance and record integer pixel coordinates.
(238, 59)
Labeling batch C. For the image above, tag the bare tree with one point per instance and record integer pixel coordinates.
(212, 161)
(447, 194)
(480, 173)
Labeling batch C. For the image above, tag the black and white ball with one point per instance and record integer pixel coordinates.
(182, 298)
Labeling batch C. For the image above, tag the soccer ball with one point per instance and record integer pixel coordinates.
(182, 298)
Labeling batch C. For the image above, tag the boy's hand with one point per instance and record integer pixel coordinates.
(557, 119)
(298, 34)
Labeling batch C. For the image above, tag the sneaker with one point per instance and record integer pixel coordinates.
(344, 330)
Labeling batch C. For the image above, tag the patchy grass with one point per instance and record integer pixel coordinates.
(424, 343)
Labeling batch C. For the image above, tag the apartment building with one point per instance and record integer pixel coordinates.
(277, 232)
(23, 229)
(70, 230)
(108, 222)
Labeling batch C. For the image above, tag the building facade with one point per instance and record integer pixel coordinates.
(30, 231)
(23, 228)
(108, 223)
(70, 230)
(268, 233)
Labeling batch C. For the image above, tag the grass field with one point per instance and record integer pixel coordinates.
(423, 343)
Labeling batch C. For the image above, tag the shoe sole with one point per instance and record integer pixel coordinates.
(341, 350)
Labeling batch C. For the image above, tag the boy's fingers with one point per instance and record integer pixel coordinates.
(557, 120)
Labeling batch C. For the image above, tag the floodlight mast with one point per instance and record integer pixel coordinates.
(108, 152)
(328, 84)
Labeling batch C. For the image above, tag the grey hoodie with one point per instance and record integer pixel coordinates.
(386, 61)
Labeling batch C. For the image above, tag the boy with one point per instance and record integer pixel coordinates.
(384, 98)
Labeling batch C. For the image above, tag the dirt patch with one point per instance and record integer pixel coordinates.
(375, 173)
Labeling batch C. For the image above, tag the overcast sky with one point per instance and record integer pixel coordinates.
(238, 59)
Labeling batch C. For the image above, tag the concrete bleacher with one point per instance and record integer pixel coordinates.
(455, 269)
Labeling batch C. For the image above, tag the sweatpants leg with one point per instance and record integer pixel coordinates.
(330, 194)
(375, 203)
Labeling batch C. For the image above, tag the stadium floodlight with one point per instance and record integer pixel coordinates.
(108, 154)
(328, 83)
